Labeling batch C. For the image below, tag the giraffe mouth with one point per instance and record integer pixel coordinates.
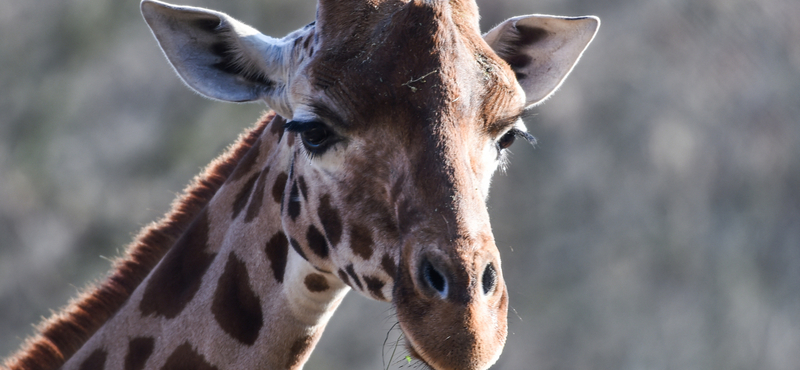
(415, 355)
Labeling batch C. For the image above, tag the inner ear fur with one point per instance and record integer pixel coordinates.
(542, 49)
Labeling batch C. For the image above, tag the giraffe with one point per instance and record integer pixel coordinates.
(370, 173)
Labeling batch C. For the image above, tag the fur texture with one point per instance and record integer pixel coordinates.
(60, 336)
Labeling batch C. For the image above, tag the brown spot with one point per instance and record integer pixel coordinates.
(290, 140)
(258, 197)
(177, 279)
(388, 265)
(407, 215)
(374, 285)
(277, 250)
(316, 283)
(276, 127)
(352, 272)
(61, 336)
(331, 222)
(294, 202)
(297, 248)
(316, 242)
(277, 188)
(95, 361)
(361, 241)
(303, 188)
(344, 277)
(299, 348)
(139, 350)
(186, 358)
(236, 306)
(243, 196)
(246, 164)
(381, 218)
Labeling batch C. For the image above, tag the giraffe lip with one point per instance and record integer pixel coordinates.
(413, 353)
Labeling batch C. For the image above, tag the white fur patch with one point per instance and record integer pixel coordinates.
(309, 307)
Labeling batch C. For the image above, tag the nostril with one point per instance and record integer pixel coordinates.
(489, 279)
(434, 278)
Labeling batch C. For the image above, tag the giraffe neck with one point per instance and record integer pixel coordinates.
(230, 293)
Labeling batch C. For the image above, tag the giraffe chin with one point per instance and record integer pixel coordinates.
(413, 353)
(431, 363)
(453, 334)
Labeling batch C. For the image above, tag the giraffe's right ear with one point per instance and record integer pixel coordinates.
(218, 56)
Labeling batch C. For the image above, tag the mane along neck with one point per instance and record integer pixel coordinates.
(66, 331)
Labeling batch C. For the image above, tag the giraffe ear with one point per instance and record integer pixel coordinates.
(542, 49)
(218, 56)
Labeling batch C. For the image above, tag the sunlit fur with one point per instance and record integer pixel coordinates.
(415, 101)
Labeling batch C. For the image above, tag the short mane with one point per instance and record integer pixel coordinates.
(63, 334)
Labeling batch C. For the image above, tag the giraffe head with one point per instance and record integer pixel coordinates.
(397, 114)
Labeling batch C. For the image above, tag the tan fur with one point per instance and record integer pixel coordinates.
(60, 336)
(396, 112)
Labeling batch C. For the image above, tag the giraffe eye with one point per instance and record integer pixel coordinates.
(507, 139)
(316, 136)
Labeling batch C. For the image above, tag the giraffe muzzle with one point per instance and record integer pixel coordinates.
(452, 306)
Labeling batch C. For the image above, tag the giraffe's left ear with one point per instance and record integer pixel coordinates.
(542, 49)
(220, 57)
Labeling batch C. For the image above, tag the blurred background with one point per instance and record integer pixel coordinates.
(655, 226)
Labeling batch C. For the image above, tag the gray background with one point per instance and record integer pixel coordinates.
(656, 226)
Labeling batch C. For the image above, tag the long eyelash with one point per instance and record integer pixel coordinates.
(309, 154)
(299, 126)
(505, 161)
(525, 136)
(505, 154)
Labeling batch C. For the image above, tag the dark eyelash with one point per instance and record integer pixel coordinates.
(525, 136)
(305, 128)
(299, 126)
